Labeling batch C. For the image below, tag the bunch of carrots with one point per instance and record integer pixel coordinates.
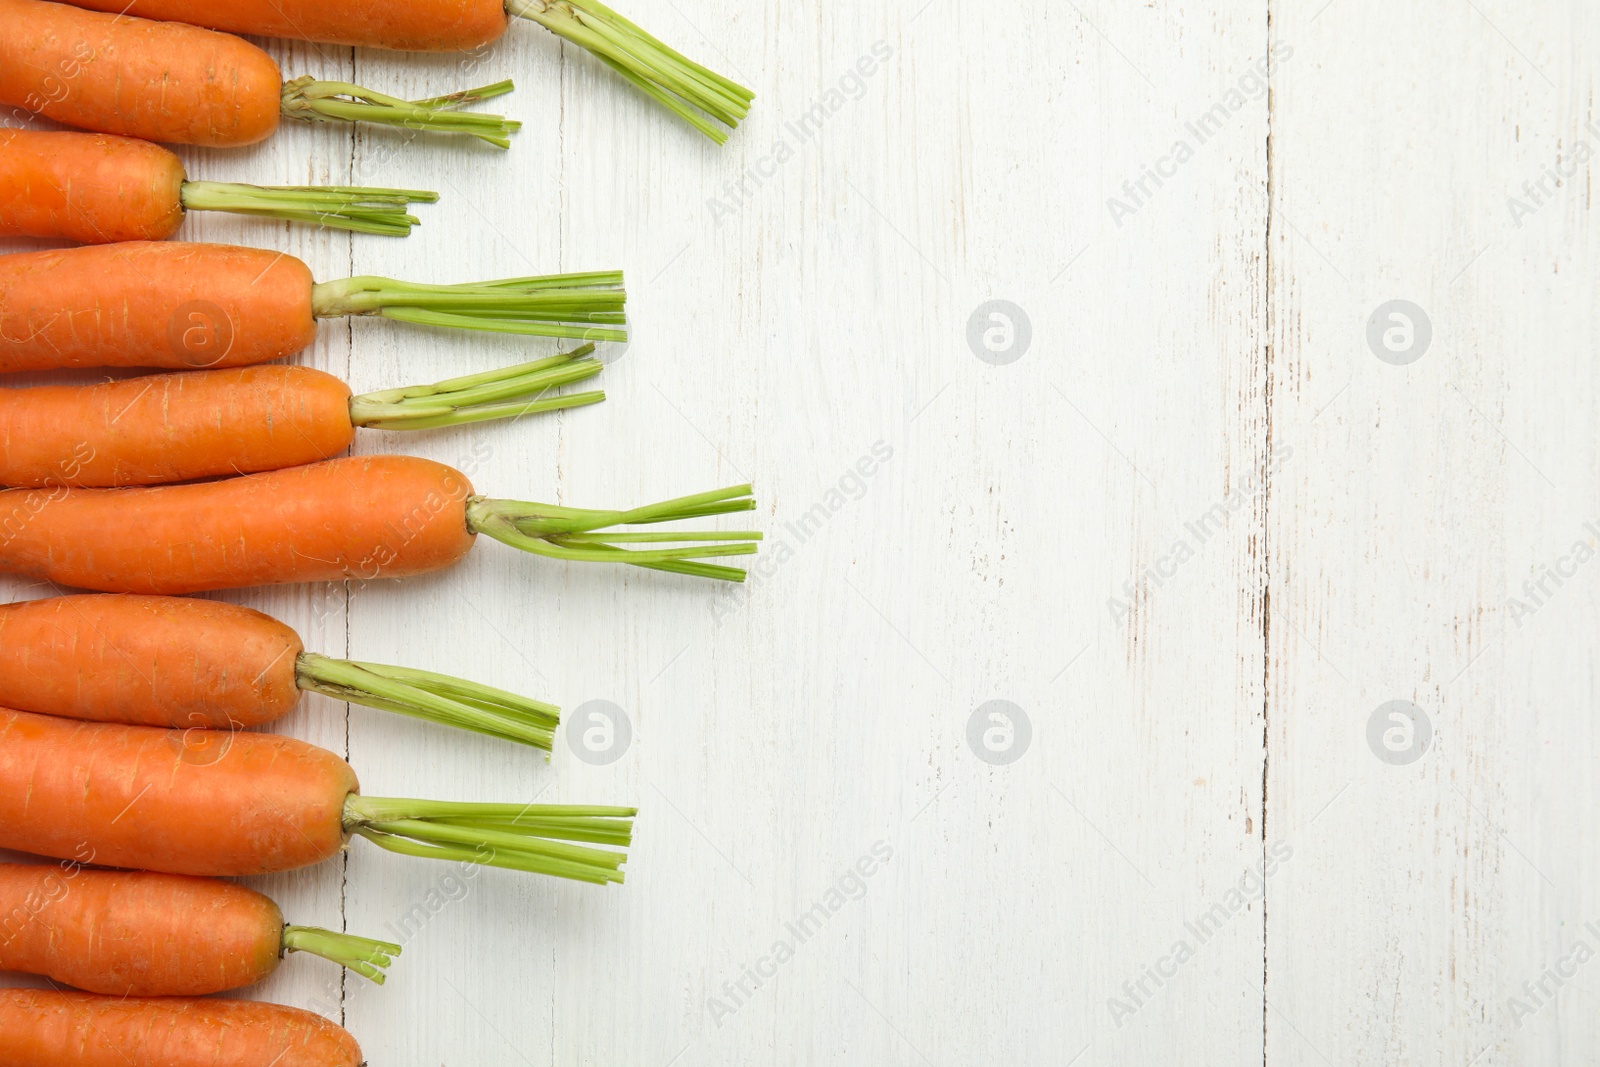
(128, 753)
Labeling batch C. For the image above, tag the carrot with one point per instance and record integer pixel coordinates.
(365, 517)
(212, 802)
(697, 95)
(165, 81)
(141, 934)
(96, 188)
(197, 664)
(178, 305)
(179, 427)
(40, 1027)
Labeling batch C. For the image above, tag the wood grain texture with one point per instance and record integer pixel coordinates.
(1423, 896)
(1198, 533)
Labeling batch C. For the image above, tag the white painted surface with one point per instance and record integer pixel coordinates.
(1218, 331)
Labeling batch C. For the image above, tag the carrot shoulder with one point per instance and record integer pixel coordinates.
(154, 661)
(172, 427)
(361, 518)
(365, 518)
(40, 1027)
(143, 934)
(158, 81)
(134, 933)
(179, 662)
(152, 304)
(183, 306)
(166, 428)
(210, 802)
(97, 188)
(88, 187)
(206, 802)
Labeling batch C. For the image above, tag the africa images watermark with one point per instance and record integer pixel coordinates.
(1251, 85)
(1537, 193)
(1198, 932)
(1197, 533)
(848, 488)
(1539, 993)
(849, 886)
(849, 87)
(1540, 590)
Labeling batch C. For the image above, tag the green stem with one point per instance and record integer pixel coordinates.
(522, 837)
(569, 533)
(432, 697)
(321, 101)
(360, 954)
(674, 81)
(342, 207)
(497, 394)
(587, 306)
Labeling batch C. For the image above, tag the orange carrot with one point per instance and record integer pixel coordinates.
(701, 97)
(178, 305)
(179, 427)
(140, 934)
(40, 1027)
(96, 188)
(172, 661)
(214, 802)
(165, 81)
(363, 518)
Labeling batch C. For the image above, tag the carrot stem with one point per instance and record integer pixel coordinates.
(363, 955)
(432, 697)
(569, 533)
(586, 307)
(325, 101)
(342, 207)
(522, 837)
(496, 394)
(682, 86)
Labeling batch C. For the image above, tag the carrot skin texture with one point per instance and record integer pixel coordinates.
(42, 1027)
(204, 802)
(88, 187)
(152, 661)
(414, 26)
(363, 518)
(152, 304)
(136, 933)
(160, 81)
(168, 428)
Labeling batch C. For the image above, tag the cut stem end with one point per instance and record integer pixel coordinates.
(341, 207)
(363, 955)
(570, 533)
(701, 97)
(324, 101)
(584, 307)
(435, 698)
(499, 394)
(519, 837)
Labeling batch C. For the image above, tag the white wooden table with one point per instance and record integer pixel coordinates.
(1199, 531)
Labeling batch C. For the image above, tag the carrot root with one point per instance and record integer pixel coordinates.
(363, 955)
(325, 101)
(433, 697)
(585, 307)
(571, 533)
(498, 394)
(341, 207)
(695, 94)
(519, 837)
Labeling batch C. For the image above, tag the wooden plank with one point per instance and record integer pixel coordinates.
(1427, 485)
(814, 314)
